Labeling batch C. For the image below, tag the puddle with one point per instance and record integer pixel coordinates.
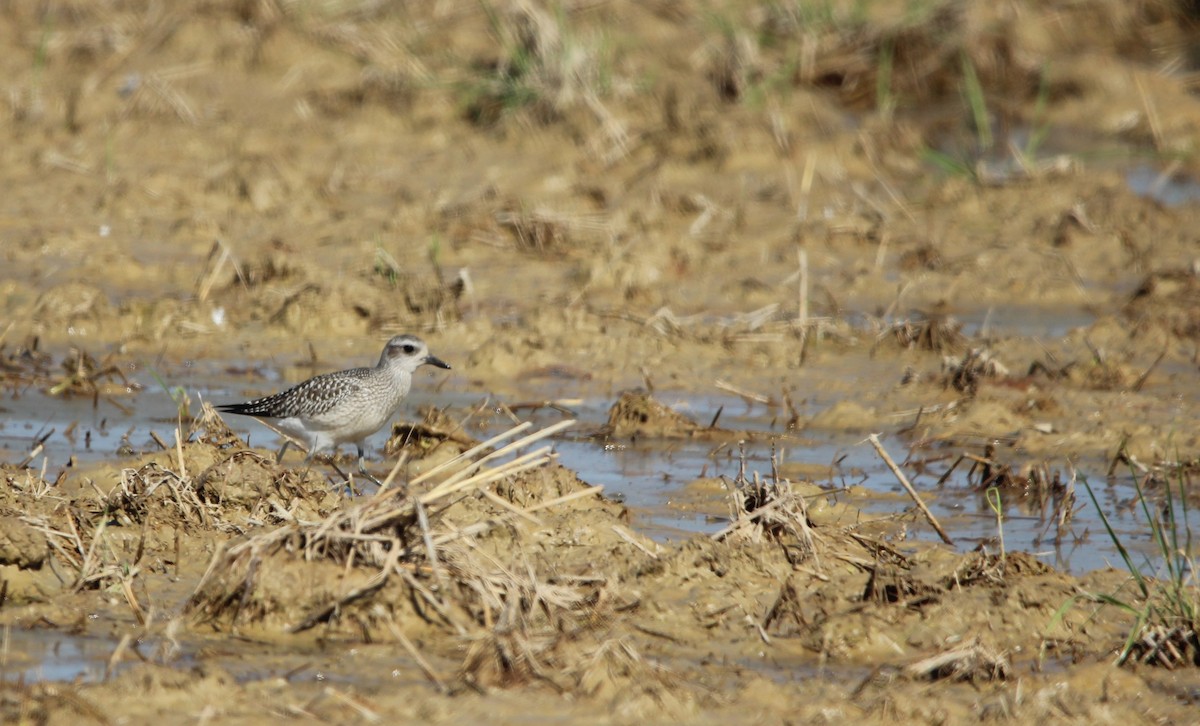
(651, 477)
(1015, 321)
(652, 480)
(28, 656)
(1055, 148)
(51, 655)
(1162, 185)
(1020, 321)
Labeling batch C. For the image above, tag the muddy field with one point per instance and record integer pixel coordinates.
(748, 228)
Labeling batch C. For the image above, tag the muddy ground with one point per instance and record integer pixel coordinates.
(922, 219)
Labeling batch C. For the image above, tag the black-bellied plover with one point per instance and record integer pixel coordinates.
(343, 407)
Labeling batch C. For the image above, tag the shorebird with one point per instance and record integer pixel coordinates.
(342, 407)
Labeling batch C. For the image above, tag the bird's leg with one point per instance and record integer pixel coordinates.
(282, 449)
(362, 466)
(343, 475)
(308, 461)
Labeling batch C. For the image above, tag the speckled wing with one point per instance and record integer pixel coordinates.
(310, 399)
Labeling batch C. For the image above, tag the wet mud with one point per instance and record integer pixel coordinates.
(735, 239)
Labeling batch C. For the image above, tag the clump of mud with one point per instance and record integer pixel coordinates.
(433, 440)
(79, 373)
(1170, 298)
(464, 560)
(22, 545)
(490, 573)
(937, 333)
(638, 414)
(122, 519)
(281, 288)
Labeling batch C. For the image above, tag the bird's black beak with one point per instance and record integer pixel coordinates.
(437, 362)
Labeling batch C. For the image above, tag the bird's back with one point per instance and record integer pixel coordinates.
(311, 400)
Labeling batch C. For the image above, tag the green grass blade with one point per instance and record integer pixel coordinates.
(977, 103)
(885, 100)
(948, 164)
(1134, 633)
(1156, 528)
(1041, 126)
(1116, 540)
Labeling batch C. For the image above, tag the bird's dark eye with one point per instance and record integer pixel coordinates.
(408, 348)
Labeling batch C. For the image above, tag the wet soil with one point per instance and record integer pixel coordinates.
(967, 226)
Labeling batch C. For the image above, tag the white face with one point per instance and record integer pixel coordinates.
(405, 347)
(410, 353)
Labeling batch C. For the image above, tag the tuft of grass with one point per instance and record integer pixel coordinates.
(1166, 607)
(544, 67)
(178, 394)
(885, 97)
(386, 265)
(977, 103)
(41, 55)
(997, 506)
(1039, 123)
(435, 255)
(963, 163)
(951, 164)
(975, 158)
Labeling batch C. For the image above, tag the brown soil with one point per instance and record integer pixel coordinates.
(788, 200)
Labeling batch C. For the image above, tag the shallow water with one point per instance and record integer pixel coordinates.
(52, 655)
(1162, 185)
(653, 478)
(650, 476)
(1022, 321)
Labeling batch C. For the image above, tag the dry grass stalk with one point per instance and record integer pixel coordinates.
(379, 532)
(552, 634)
(156, 93)
(415, 654)
(397, 551)
(67, 545)
(966, 373)
(742, 393)
(134, 495)
(364, 712)
(900, 477)
(1038, 488)
(77, 535)
(934, 333)
(547, 232)
(768, 324)
(222, 255)
(467, 455)
(970, 662)
(770, 510)
(457, 480)
(1170, 646)
(80, 374)
(118, 654)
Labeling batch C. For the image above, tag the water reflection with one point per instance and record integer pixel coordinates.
(654, 477)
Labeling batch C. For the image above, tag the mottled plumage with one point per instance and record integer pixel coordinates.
(314, 397)
(343, 407)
